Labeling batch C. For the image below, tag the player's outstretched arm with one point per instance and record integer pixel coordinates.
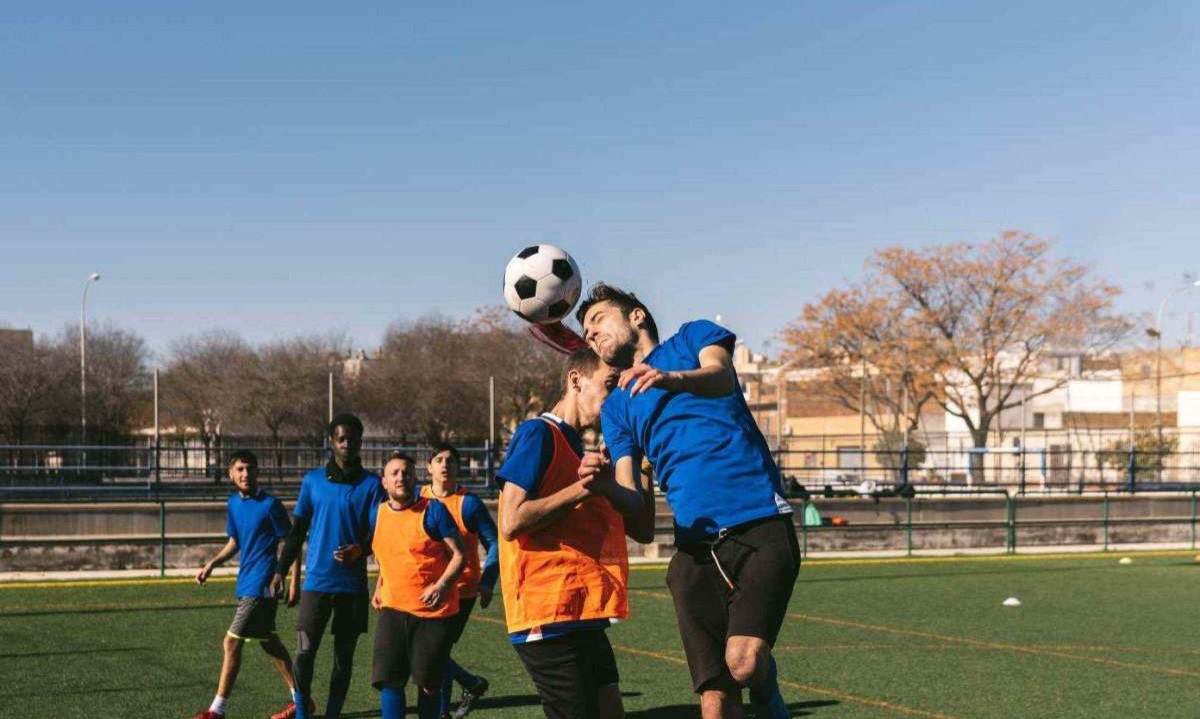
(230, 549)
(520, 514)
(714, 378)
(630, 496)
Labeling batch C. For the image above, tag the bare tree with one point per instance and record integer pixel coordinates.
(31, 376)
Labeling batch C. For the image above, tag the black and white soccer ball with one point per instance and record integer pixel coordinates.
(542, 284)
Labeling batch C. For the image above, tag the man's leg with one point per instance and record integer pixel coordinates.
(315, 610)
(559, 672)
(349, 620)
(230, 665)
(282, 659)
(389, 665)
(429, 654)
(701, 609)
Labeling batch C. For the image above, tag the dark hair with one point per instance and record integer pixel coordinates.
(584, 361)
(347, 420)
(625, 301)
(440, 447)
(243, 455)
(401, 455)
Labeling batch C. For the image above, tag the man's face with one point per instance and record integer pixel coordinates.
(346, 443)
(593, 390)
(399, 481)
(610, 334)
(443, 467)
(244, 476)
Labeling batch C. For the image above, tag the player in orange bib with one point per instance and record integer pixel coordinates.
(475, 526)
(563, 560)
(420, 556)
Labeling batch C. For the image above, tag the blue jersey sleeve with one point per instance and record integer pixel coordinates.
(703, 333)
(529, 454)
(230, 525)
(303, 508)
(438, 523)
(479, 521)
(618, 435)
(280, 524)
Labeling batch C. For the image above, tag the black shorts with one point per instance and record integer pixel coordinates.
(570, 671)
(254, 619)
(761, 559)
(409, 645)
(459, 621)
(349, 613)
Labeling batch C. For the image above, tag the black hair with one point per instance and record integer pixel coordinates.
(440, 447)
(625, 301)
(243, 455)
(347, 420)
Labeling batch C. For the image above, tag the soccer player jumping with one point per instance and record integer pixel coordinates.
(679, 404)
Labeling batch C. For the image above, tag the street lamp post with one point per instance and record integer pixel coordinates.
(94, 277)
(1157, 333)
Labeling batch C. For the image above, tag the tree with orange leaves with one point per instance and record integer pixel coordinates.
(960, 325)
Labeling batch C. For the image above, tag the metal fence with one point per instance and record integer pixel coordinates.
(191, 469)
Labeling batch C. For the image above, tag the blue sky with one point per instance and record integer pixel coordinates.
(300, 167)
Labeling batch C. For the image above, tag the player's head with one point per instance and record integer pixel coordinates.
(444, 463)
(400, 478)
(613, 323)
(345, 438)
(587, 380)
(243, 471)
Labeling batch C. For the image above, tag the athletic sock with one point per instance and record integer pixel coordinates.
(333, 706)
(767, 695)
(428, 705)
(465, 679)
(391, 703)
(218, 704)
(301, 703)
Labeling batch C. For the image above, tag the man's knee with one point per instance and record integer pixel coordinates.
(233, 645)
(720, 704)
(745, 657)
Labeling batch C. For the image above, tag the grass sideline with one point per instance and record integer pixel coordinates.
(920, 637)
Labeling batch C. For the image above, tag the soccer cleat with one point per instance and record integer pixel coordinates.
(289, 711)
(469, 697)
(208, 714)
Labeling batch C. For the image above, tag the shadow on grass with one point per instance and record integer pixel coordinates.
(75, 652)
(59, 692)
(692, 711)
(516, 700)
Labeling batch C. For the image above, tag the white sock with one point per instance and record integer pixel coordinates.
(218, 704)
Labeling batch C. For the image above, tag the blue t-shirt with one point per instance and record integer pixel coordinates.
(338, 513)
(480, 523)
(257, 524)
(530, 452)
(437, 522)
(709, 456)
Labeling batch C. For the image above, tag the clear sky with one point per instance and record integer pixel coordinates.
(295, 167)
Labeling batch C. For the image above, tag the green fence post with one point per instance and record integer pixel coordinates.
(1106, 521)
(908, 525)
(1193, 520)
(162, 537)
(1010, 508)
(803, 539)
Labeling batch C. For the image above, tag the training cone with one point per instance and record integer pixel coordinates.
(1012, 602)
(1125, 560)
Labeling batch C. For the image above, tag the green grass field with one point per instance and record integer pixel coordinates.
(918, 638)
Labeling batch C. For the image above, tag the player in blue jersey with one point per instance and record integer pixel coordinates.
(334, 512)
(255, 522)
(679, 405)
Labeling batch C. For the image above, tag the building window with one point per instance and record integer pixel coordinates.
(1039, 420)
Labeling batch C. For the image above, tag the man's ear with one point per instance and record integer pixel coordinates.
(573, 379)
(637, 317)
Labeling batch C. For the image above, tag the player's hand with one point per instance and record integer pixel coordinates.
(377, 601)
(433, 595)
(642, 377)
(293, 594)
(276, 586)
(593, 468)
(485, 597)
(204, 573)
(348, 553)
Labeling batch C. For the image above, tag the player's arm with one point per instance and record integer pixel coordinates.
(435, 593)
(377, 597)
(479, 521)
(290, 554)
(520, 514)
(622, 487)
(714, 377)
(230, 549)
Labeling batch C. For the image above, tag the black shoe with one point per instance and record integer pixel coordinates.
(469, 697)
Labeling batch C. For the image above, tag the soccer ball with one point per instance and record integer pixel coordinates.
(542, 284)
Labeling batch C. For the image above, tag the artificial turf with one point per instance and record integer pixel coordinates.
(1092, 638)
